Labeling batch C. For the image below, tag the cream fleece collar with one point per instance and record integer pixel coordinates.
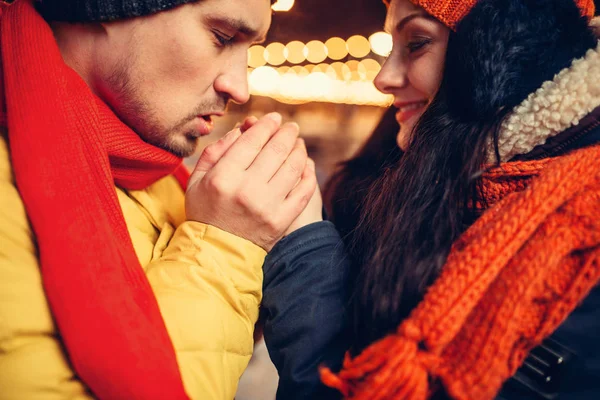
(558, 105)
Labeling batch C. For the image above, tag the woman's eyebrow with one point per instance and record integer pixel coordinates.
(402, 23)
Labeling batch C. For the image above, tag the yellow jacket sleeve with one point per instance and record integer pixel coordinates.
(208, 284)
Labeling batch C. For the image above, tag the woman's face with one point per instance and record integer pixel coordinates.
(413, 71)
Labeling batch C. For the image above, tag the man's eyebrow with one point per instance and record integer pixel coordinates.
(240, 26)
(400, 25)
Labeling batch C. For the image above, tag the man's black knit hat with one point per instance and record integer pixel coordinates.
(103, 10)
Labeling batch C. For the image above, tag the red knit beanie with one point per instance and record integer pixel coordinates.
(450, 12)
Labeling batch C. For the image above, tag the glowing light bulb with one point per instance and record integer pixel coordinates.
(358, 46)
(315, 51)
(300, 71)
(381, 43)
(336, 48)
(371, 67)
(295, 52)
(275, 53)
(256, 56)
(283, 5)
(263, 80)
(342, 71)
(326, 69)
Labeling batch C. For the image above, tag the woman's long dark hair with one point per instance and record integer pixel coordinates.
(348, 187)
(415, 205)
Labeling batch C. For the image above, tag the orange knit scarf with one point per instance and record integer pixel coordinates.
(508, 283)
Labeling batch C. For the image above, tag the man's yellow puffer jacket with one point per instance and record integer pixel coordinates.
(208, 285)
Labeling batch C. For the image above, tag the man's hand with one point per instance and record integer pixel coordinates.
(255, 184)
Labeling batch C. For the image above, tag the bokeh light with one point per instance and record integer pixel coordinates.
(358, 71)
(256, 56)
(283, 70)
(381, 43)
(315, 51)
(308, 77)
(326, 69)
(300, 71)
(275, 53)
(342, 71)
(358, 46)
(283, 5)
(295, 52)
(263, 80)
(372, 68)
(336, 48)
(317, 85)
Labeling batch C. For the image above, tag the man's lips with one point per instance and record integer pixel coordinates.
(205, 123)
(204, 126)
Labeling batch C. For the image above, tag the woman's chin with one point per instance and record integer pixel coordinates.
(402, 139)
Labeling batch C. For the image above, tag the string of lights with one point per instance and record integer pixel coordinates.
(315, 71)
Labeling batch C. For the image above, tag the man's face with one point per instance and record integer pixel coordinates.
(167, 74)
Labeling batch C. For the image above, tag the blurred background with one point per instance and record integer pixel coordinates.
(317, 69)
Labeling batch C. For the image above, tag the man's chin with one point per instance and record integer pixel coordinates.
(182, 152)
(186, 148)
(179, 144)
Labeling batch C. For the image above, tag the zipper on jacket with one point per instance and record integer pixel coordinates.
(565, 145)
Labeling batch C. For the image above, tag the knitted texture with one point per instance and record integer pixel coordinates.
(508, 283)
(68, 151)
(451, 12)
(103, 10)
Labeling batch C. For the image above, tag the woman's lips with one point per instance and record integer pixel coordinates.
(408, 110)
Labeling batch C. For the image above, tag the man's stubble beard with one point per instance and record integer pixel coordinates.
(136, 113)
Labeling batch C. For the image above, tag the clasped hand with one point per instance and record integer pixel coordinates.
(255, 182)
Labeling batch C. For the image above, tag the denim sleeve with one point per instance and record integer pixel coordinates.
(304, 297)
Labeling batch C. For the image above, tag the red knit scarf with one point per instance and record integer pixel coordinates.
(508, 283)
(68, 151)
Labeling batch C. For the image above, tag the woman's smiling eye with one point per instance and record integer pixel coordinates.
(418, 44)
